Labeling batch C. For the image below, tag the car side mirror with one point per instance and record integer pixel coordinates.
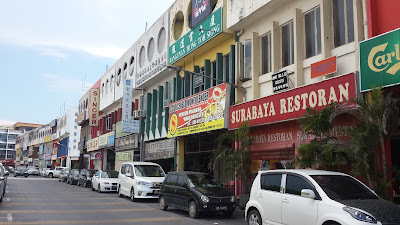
(184, 185)
(308, 193)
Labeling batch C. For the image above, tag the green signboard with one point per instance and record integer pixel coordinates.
(200, 34)
(380, 60)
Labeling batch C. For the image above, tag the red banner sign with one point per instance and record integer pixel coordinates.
(323, 67)
(293, 103)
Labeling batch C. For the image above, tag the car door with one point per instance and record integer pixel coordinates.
(169, 189)
(129, 180)
(181, 193)
(298, 210)
(270, 197)
(95, 179)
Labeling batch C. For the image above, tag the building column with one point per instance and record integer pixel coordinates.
(255, 64)
(298, 27)
(180, 150)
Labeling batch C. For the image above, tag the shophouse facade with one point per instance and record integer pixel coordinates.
(292, 55)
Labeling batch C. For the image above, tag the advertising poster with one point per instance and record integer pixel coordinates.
(201, 112)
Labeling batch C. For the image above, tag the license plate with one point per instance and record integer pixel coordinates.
(155, 192)
(222, 207)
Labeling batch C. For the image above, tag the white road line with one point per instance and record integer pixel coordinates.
(7, 192)
(7, 199)
(9, 217)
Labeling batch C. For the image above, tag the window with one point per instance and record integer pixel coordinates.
(11, 146)
(343, 22)
(108, 123)
(247, 59)
(181, 180)
(287, 44)
(313, 32)
(3, 145)
(122, 170)
(172, 180)
(266, 53)
(271, 182)
(294, 185)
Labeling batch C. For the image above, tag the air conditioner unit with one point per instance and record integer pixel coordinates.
(135, 114)
(98, 133)
(166, 103)
(113, 127)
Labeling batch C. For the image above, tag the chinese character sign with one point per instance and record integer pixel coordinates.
(128, 125)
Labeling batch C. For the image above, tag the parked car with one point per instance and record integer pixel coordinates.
(316, 197)
(63, 175)
(105, 180)
(140, 180)
(196, 192)
(42, 171)
(21, 171)
(54, 172)
(4, 173)
(73, 177)
(85, 177)
(10, 169)
(33, 171)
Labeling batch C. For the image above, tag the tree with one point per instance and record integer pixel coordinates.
(236, 157)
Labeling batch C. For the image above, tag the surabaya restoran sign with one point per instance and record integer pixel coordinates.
(292, 104)
(380, 60)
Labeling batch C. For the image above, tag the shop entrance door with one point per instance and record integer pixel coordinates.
(198, 162)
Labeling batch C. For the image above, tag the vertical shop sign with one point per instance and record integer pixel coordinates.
(200, 10)
(94, 108)
(128, 124)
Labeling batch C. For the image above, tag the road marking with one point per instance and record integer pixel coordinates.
(92, 203)
(140, 220)
(9, 217)
(7, 199)
(7, 192)
(74, 211)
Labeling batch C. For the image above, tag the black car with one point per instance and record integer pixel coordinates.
(85, 177)
(21, 171)
(196, 193)
(73, 177)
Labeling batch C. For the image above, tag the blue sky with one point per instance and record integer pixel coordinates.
(47, 47)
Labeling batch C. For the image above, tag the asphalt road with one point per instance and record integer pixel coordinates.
(39, 200)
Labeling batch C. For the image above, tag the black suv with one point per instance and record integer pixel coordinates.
(195, 192)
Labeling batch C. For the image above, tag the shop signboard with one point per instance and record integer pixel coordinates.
(93, 144)
(47, 156)
(280, 81)
(162, 149)
(94, 107)
(124, 156)
(47, 138)
(55, 147)
(41, 150)
(128, 124)
(127, 142)
(380, 61)
(118, 130)
(107, 140)
(200, 10)
(201, 112)
(81, 117)
(293, 103)
(95, 155)
(324, 67)
(199, 35)
(74, 158)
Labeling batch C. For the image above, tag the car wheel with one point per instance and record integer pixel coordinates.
(59, 180)
(99, 188)
(331, 223)
(163, 204)
(119, 191)
(51, 175)
(254, 218)
(93, 188)
(228, 214)
(193, 212)
(133, 195)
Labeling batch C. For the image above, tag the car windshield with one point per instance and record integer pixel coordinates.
(149, 171)
(339, 187)
(202, 180)
(76, 172)
(21, 167)
(109, 174)
(91, 172)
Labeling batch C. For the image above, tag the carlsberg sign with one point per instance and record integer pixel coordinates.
(380, 60)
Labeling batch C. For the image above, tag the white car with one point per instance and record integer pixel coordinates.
(140, 180)
(316, 197)
(105, 181)
(54, 172)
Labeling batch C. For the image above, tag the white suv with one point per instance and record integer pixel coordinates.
(140, 180)
(316, 197)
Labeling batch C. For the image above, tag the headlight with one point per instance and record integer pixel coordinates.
(233, 199)
(204, 199)
(89, 178)
(358, 215)
(148, 184)
(106, 183)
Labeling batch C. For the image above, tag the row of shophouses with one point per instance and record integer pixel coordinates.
(205, 67)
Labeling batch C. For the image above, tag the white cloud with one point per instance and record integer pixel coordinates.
(7, 122)
(54, 53)
(58, 84)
